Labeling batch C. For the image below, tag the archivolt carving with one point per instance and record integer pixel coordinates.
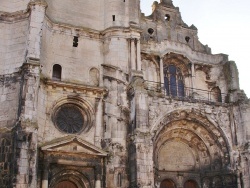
(192, 128)
(74, 176)
(179, 61)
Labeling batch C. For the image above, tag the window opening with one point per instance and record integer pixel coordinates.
(167, 17)
(57, 72)
(150, 31)
(173, 81)
(113, 18)
(187, 39)
(75, 41)
(119, 180)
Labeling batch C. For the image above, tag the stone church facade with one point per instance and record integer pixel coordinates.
(96, 95)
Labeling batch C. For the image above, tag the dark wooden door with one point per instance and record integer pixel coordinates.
(167, 184)
(190, 184)
(66, 184)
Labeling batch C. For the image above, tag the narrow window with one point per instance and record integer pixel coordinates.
(75, 41)
(119, 180)
(113, 18)
(57, 72)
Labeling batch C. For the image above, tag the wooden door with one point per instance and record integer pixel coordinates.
(66, 184)
(190, 184)
(167, 184)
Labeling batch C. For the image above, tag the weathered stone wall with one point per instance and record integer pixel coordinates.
(13, 37)
(10, 96)
(13, 5)
(50, 98)
(76, 62)
(85, 14)
(7, 162)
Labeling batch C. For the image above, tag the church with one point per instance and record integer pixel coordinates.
(94, 94)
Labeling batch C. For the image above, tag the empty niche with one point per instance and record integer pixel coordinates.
(94, 76)
(216, 94)
(57, 72)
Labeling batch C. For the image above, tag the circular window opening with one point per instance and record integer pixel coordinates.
(69, 118)
(151, 31)
(167, 17)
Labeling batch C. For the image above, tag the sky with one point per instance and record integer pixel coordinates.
(224, 25)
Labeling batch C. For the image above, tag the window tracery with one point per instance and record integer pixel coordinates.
(173, 81)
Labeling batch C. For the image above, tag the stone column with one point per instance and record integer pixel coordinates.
(45, 180)
(99, 116)
(245, 169)
(98, 183)
(138, 45)
(192, 79)
(133, 64)
(161, 72)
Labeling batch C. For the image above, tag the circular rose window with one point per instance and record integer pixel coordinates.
(69, 118)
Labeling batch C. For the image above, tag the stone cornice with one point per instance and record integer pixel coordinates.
(98, 91)
(71, 30)
(15, 16)
(132, 28)
(165, 47)
(38, 2)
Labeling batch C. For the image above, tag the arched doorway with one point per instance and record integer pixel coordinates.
(66, 184)
(167, 184)
(190, 184)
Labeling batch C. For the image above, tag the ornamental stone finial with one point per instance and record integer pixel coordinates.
(167, 2)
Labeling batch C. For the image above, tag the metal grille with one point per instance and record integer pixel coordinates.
(186, 93)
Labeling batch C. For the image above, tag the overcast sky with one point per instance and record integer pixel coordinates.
(222, 24)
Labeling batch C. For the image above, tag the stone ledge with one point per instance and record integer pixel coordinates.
(76, 87)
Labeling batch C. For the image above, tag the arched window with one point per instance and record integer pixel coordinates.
(173, 81)
(167, 184)
(119, 180)
(57, 72)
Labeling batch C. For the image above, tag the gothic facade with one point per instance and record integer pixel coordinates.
(94, 94)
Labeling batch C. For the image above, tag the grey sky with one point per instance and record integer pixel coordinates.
(222, 24)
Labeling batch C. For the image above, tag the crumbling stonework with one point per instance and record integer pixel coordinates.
(96, 95)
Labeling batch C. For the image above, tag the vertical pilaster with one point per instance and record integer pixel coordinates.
(36, 23)
(138, 50)
(192, 78)
(161, 72)
(45, 177)
(99, 116)
(132, 53)
(144, 161)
